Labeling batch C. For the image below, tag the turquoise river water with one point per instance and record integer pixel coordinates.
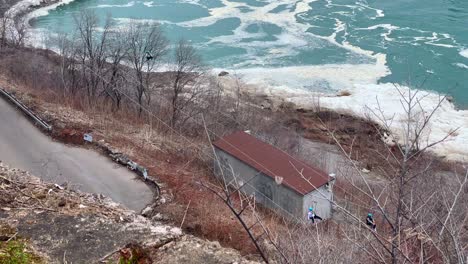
(279, 42)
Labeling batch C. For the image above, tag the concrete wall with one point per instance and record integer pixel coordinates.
(320, 201)
(266, 190)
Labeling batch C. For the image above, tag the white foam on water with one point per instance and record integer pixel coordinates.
(343, 13)
(238, 34)
(303, 6)
(124, 21)
(129, 4)
(389, 27)
(437, 37)
(380, 58)
(461, 65)
(230, 9)
(379, 13)
(294, 79)
(288, 42)
(464, 53)
(192, 2)
(385, 26)
(441, 45)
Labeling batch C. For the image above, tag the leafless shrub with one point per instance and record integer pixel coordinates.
(412, 212)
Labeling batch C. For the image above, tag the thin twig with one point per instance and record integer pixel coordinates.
(185, 214)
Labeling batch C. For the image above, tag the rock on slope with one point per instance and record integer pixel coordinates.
(69, 226)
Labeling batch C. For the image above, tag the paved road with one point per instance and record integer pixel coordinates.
(23, 146)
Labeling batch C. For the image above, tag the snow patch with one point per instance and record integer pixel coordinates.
(365, 99)
(464, 53)
(461, 65)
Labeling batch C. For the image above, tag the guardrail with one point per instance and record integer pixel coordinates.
(37, 120)
(115, 156)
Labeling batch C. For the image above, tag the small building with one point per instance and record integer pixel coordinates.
(273, 176)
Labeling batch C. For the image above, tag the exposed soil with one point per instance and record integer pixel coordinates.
(69, 136)
(359, 138)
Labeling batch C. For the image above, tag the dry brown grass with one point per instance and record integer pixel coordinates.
(161, 153)
(179, 164)
(169, 157)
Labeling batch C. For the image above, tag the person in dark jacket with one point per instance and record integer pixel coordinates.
(371, 222)
(149, 56)
(312, 216)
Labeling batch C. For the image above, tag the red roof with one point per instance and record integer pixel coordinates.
(273, 162)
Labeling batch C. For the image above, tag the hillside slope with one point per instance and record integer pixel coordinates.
(66, 226)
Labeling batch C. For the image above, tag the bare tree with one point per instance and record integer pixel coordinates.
(146, 47)
(116, 53)
(3, 30)
(17, 32)
(92, 50)
(187, 80)
(69, 68)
